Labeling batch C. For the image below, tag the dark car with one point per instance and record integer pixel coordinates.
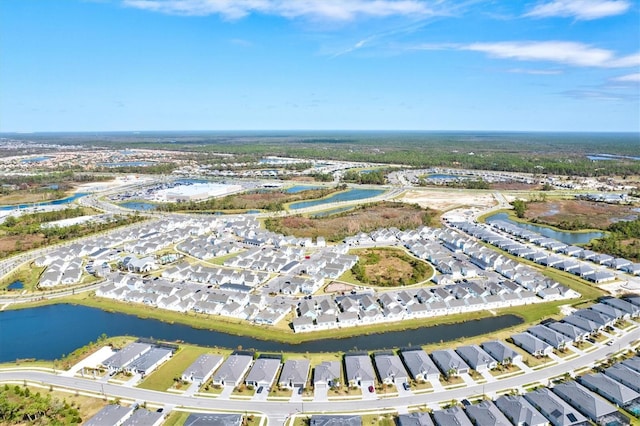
(371, 389)
(160, 410)
(465, 402)
(406, 386)
(300, 391)
(260, 389)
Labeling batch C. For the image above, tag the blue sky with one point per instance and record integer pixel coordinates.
(101, 65)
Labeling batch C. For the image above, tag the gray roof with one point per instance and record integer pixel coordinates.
(608, 310)
(548, 335)
(326, 372)
(624, 375)
(632, 363)
(475, 356)
(359, 367)
(142, 417)
(232, 370)
(447, 359)
(520, 411)
(213, 419)
(390, 366)
(324, 420)
(125, 355)
(587, 402)
(451, 416)
(264, 370)
(583, 323)
(567, 329)
(555, 409)
(203, 366)
(149, 359)
(419, 363)
(110, 415)
(415, 419)
(500, 351)
(529, 342)
(623, 305)
(595, 316)
(609, 388)
(486, 413)
(295, 371)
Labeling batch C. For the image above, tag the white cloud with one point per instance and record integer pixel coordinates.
(580, 9)
(629, 78)
(341, 10)
(563, 52)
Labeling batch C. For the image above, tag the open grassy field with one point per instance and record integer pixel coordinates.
(366, 218)
(389, 267)
(27, 273)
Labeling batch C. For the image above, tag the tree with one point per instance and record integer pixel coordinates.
(520, 206)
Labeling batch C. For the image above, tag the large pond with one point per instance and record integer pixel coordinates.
(138, 205)
(46, 203)
(566, 237)
(350, 195)
(299, 188)
(48, 332)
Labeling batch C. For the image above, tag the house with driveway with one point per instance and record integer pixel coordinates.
(327, 374)
(477, 358)
(263, 372)
(532, 344)
(202, 368)
(421, 367)
(593, 406)
(519, 411)
(390, 369)
(294, 374)
(232, 370)
(359, 370)
(449, 362)
(501, 352)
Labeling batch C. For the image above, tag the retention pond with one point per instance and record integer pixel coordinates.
(48, 332)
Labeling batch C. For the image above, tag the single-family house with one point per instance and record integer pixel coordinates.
(451, 416)
(552, 337)
(477, 358)
(590, 404)
(612, 390)
(449, 362)
(149, 361)
(295, 373)
(327, 374)
(486, 413)
(112, 414)
(232, 370)
(359, 370)
(332, 420)
(144, 417)
(263, 372)
(532, 344)
(501, 352)
(622, 374)
(415, 419)
(556, 410)
(125, 356)
(390, 369)
(202, 368)
(519, 411)
(421, 367)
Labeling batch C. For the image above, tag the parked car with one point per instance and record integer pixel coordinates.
(406, 386)
(371, 389)
(260, 389)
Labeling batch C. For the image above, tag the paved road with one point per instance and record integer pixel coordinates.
(279, 410)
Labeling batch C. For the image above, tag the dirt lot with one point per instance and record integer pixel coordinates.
(11, 243)
(364, 219)
(449, 198)
(590, 214)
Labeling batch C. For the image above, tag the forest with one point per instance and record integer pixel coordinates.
(20, 406)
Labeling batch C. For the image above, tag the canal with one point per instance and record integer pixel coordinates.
(48, 332)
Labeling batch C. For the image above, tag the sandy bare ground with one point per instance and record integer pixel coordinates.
(444, 200)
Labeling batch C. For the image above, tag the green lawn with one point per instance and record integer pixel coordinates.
(162, 378)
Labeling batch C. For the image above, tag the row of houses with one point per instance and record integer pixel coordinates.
(368, 307)
(541, 257)
(542, 339)
(616, 263)
(138, 358)
(120, 415)
(61, 272)
(591, 398)
(231, 300)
